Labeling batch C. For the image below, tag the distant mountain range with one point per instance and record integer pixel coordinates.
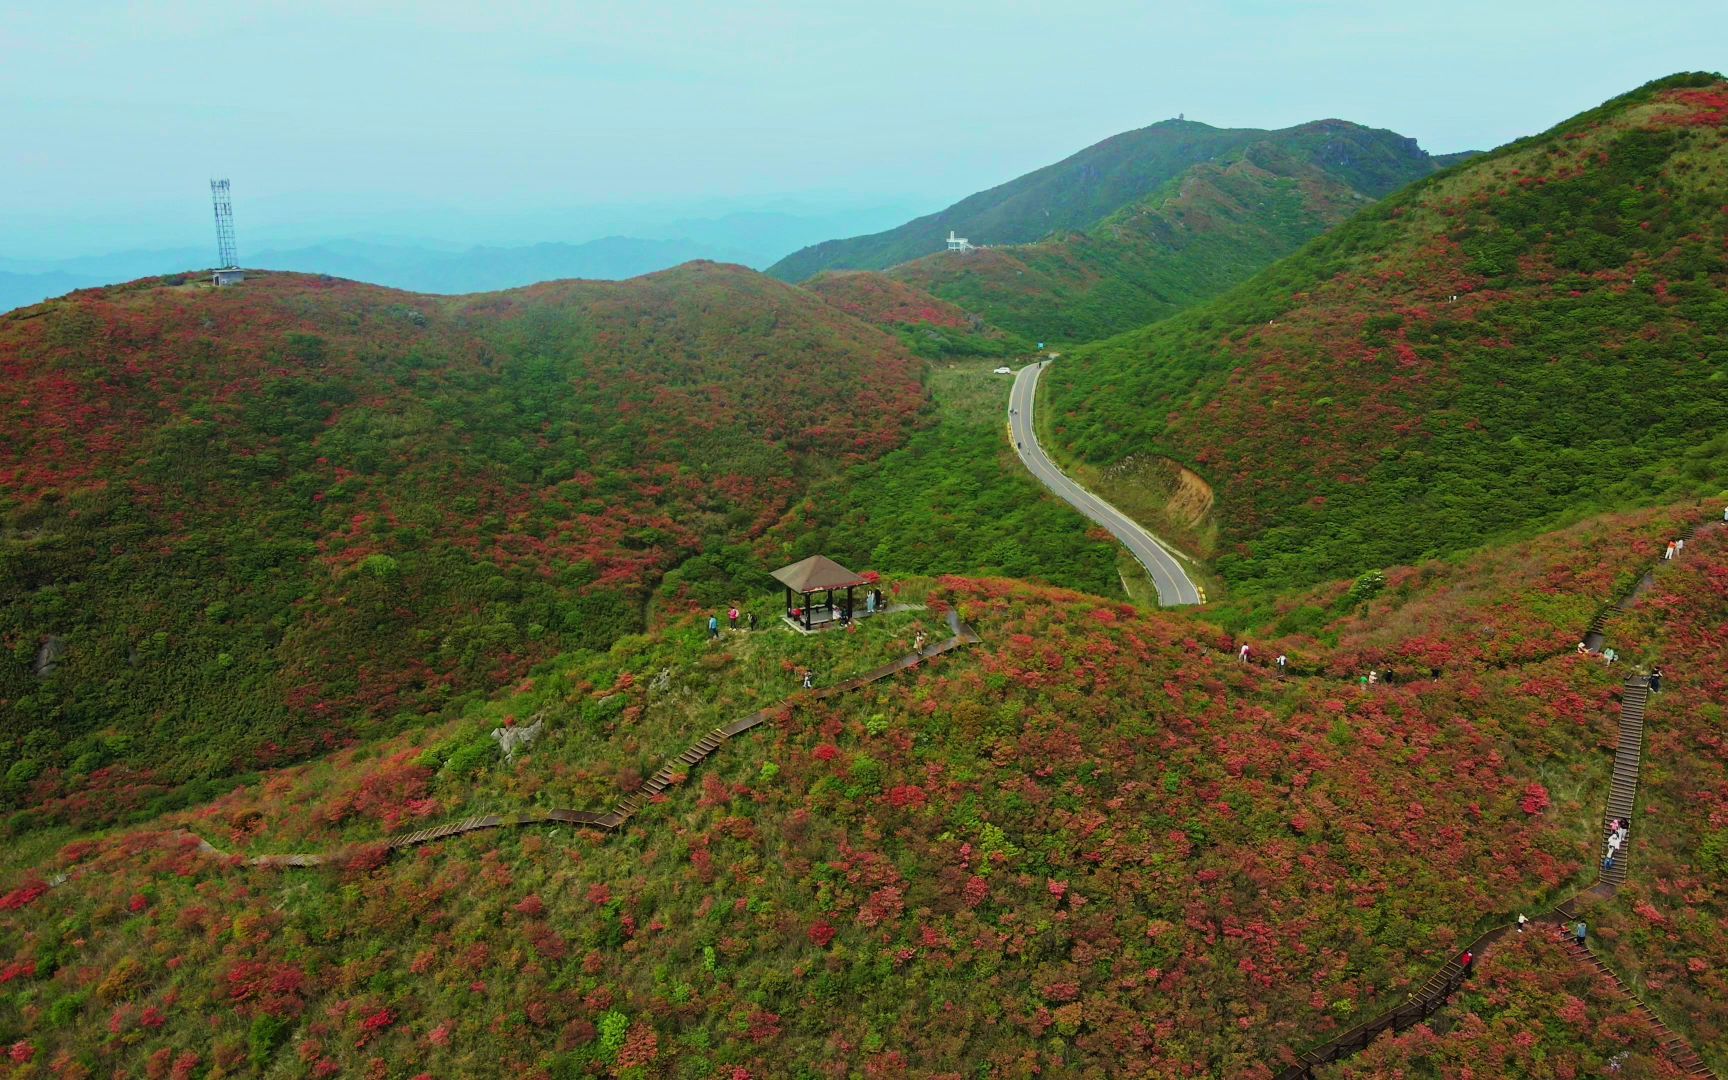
(404, 267)
(753, 238)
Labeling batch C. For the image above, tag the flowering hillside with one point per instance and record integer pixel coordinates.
(244, 525)
(1534, 332)
(1665, 930)
(1498, 605)
(1533, 1009)
(929, 327)
(1095, 838)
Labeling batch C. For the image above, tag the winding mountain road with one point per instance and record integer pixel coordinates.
(1172, 582)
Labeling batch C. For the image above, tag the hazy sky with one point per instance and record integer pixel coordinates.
(459, 117)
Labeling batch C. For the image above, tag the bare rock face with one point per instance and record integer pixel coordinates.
(512, 739)
(48, 656)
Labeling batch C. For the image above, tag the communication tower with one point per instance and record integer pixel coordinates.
(228, 270)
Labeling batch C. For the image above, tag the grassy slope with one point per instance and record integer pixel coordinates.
(264, 519)
(1349, 414)
(1210, 228)
(1092, 839)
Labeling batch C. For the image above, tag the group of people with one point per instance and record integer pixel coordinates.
(1675, 547)
(1373, 676)
(1577, 932)
(1608, 655)
(1281, 662)
(732, 617)
(1618, 830)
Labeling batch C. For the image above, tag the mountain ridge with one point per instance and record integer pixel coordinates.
(1072, 194)
(1137, 227)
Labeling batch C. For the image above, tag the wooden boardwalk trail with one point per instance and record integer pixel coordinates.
(1678, 1049)
(1433, 994)
(1623, 788)
(628, 806)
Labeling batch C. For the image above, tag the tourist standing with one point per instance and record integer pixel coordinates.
(1656, 679)
(713, 627)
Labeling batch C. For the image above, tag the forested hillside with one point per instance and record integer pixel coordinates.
(1209, 228)
(241, 526)
(1537, 332)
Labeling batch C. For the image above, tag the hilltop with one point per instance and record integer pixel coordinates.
(1531, 334)
(1136, 227)
(241, 526)
(1210, 227)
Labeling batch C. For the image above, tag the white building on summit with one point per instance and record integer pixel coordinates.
(958, 243)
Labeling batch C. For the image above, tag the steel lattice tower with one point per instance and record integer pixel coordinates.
(228, 258)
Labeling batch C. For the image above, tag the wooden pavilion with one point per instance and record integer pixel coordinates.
(817, 574)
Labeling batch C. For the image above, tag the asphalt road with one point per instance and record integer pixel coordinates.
(1166, 573)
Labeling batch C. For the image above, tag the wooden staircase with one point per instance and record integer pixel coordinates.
(1678, 1050)
(1623, 789)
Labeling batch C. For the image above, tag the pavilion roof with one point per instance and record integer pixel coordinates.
(816, 573)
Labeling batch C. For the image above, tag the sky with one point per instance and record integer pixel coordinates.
(508, 121)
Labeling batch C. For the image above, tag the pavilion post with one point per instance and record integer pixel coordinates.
(806, 611)
(848, 601)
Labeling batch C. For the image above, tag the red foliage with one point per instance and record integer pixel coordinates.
(272, 989)
(18, 969)
(904, 795)
(975, 892)
(1705, 107)
(1535, 799)
(373, 1023)
(877, 298)
(884, 905)
(27, 893)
